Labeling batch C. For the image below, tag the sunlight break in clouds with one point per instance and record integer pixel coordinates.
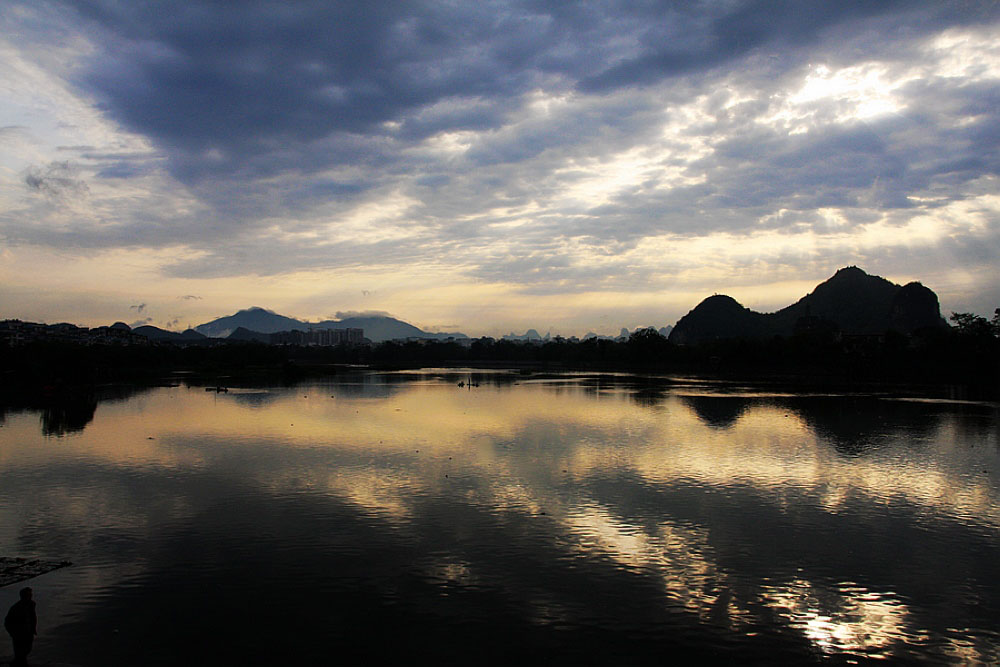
(501, 166)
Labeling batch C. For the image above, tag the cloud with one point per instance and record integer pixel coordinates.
(139, 323)
(138, 307)
(11, 133)
(57, 180)
(552, 147)
(190, 297)
(346, 314)
(498, 114)
(685, 41)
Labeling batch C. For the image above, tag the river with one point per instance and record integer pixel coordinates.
(384, 518)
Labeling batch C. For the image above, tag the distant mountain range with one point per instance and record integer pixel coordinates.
(851, 302)
(158, 334)
(251, 323)
(532, 335)
(256, 324)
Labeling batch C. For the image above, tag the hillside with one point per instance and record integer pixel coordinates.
(158, 334)
(255, 319)
(377, 328)
(851, 302)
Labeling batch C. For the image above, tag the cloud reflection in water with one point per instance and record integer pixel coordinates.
(563, 506)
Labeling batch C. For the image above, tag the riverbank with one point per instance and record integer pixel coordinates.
(948, 365)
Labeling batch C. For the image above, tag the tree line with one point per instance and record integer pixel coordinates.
(968, 353)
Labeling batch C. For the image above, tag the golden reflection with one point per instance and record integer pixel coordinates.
(963, 650)
(679, 556)
(384, 494)
(453, 572)
(766, 446)
(851, 619)
(545, 428)
(776, 448)
(535, 451)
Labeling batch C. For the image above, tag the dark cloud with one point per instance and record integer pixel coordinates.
(121, 170)
(696, 39)
(58, 180)
(220, 90)
(500, 134)
(138, 307)
(345, 314)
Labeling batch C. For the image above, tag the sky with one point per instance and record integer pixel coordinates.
(487, 167)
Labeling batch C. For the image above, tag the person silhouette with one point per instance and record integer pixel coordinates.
(21, 623)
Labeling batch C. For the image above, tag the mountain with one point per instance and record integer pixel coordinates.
(244, 334)
(158, 334)
(718, 316)
(530, 334)
(254, 319)
(257, 320)
(377, 328)
(625, 334)
(851, 301)
(915, 307)
(855, 301)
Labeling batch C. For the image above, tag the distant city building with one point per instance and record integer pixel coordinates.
(116, 335)
(319, 337)
(16, 332)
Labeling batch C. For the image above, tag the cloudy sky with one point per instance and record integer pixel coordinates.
(488, 166)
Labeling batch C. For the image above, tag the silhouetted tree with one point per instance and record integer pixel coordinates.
(647, 346)
(970, 324)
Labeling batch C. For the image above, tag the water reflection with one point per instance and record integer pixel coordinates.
(549, 517)
(251, 398)
(718, 411)
(67, 415)
(848, 619)
(64, 410)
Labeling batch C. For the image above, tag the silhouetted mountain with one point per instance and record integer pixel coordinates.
(915, 307)
(855, 301)
(254, 319)
(158, 334)
(242, 333)
(851, 301)
(529, 335)
(718, 316)
(377, 328)
(155, 333)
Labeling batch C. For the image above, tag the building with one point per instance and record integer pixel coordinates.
(318, 337)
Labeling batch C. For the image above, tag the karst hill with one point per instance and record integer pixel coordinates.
(850, 302)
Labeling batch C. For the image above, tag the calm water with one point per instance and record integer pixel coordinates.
(391, 518)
